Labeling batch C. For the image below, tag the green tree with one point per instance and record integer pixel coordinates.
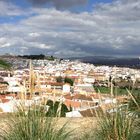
(51, 58)
(59, 79)
(54, 107)
(69, 80)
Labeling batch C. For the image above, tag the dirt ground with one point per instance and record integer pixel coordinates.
(78, 126)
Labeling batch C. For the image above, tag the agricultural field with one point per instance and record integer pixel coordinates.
(117, 90)
(5, 65)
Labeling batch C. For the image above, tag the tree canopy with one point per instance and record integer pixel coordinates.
(54, 109)
(69, 80)
(59, 79)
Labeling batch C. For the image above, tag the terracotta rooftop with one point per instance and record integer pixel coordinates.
(96, 96)
(94, 112)
(5, 100)
(55, 84)
(70, 103)
(68, 96)
(82, 97)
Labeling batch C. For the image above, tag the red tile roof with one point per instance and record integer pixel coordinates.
(82, 97)
(70, 103)
(5, 100)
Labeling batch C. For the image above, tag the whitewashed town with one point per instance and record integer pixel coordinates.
(69, 69)
(80, 86)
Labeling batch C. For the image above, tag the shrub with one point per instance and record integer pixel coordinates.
(59, 79)
(33, 125)
(5, 65)
(56, 109)
(69, 80)
(116, 126)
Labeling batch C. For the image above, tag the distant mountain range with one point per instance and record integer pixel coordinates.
(110, 61)
(96, 60)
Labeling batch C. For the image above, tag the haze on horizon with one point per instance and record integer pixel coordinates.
(70, 28)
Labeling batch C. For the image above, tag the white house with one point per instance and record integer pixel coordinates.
(73, 114)
(66, 88)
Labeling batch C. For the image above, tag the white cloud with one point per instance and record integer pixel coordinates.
(34, 34)
(6, 45)
(44, 46)
(111, 29)
(2, 40)
(8, 9)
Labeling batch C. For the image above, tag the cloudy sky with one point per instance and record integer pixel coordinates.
(67, 28)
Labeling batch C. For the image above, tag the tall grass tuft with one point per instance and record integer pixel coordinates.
(33, 125)
(121, 123)
(134, 103)
(118, 126)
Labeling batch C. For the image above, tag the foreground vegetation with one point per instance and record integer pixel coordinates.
(33, 125)
(121, 123)
(5, 65)
(118, 126)
(37, 123)
(57, 109)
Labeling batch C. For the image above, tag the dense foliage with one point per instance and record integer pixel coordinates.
(38, 57)
(56, 109)
(59, 79)
(5, 65)
(69, 80)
